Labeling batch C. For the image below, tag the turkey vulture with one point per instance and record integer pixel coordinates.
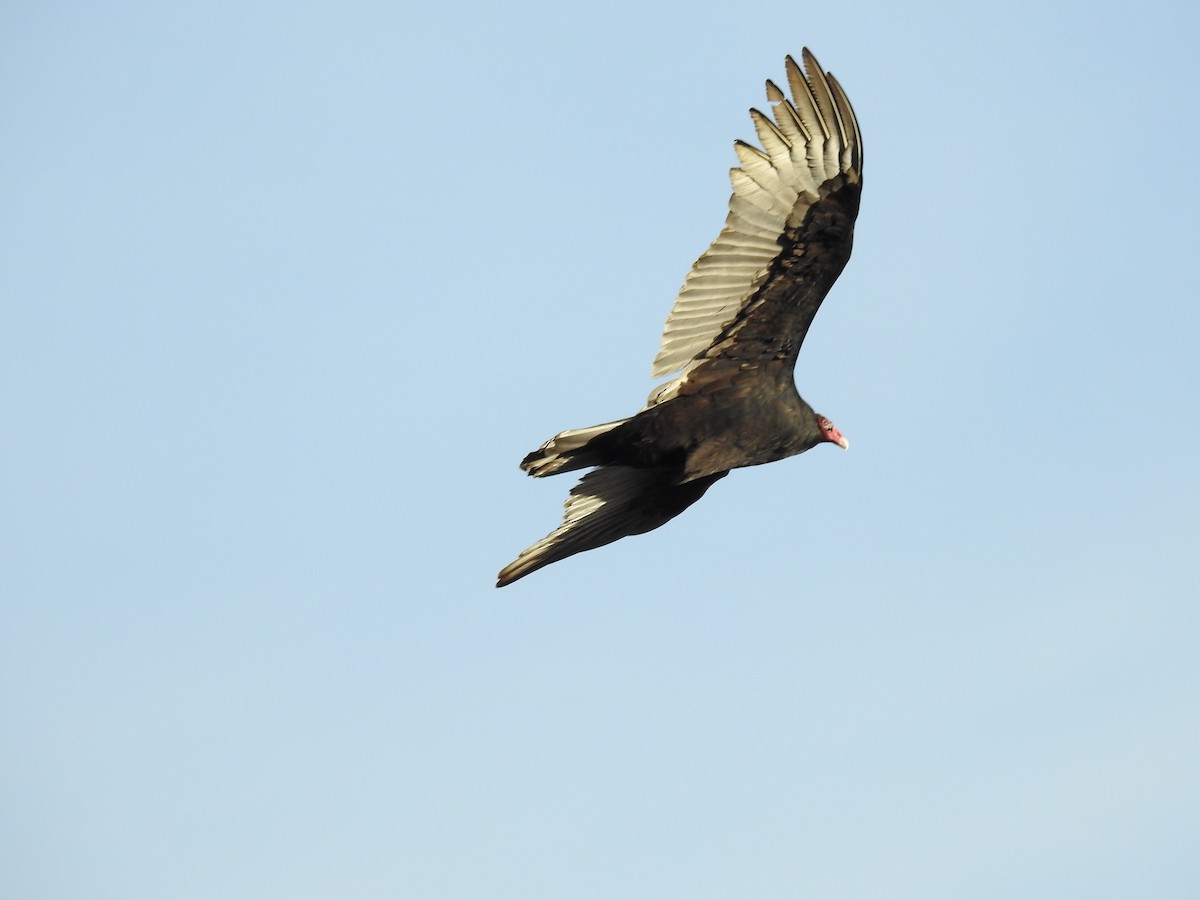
(733, 335)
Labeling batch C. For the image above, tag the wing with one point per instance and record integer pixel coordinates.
(755, 291)
(609, 503)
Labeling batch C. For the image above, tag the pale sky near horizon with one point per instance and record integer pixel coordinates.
(288, 290)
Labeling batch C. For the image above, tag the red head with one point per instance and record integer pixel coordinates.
(830, 433)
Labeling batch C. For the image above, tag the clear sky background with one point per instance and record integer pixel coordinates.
(287, 291)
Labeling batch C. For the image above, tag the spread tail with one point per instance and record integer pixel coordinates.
(569, 451)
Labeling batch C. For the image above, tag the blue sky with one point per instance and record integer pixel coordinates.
(287, 291)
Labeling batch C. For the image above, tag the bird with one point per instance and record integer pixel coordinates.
(732, 337)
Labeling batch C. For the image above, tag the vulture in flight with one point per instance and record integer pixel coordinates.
(732, 337)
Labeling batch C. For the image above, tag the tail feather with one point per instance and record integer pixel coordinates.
(568, 451)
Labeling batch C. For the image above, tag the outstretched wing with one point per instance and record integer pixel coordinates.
(609, 503)
(755, 291)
